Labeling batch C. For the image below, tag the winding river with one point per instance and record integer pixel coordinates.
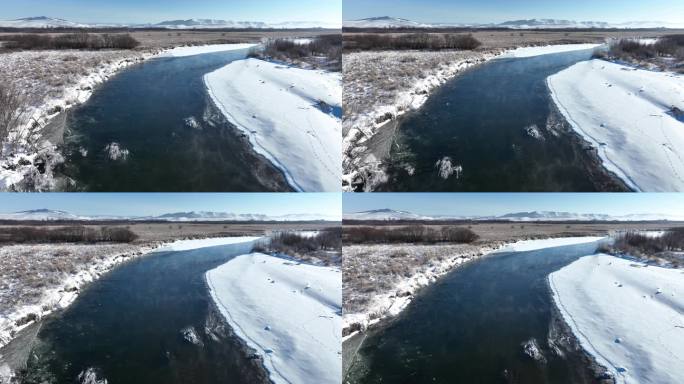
(153, 127)
(496, 128)
(150, 320)
(470, 327)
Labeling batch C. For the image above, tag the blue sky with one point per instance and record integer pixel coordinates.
(144, 11)
(143, 204)
(485, 11)
(485, 204)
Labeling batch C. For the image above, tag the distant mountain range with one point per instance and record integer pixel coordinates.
(55, 215)
(393, 22)
(51, 22)
(393, 215)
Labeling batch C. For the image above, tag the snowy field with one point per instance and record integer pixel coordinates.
(52, 81)
(200, 49)
(380, 86)
(381, 280)
(289, 313)
(531, 245)
(37, 279)
(626, 315)
(286, 112)
(628, 114)
(545, 50)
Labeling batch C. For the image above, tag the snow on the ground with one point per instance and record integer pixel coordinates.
(628, 115)
(39, 279)
(290, 313)
(200, 49)
(52, 81)
(545, 50)
(531, 245)
(186, 245)
(381, 280)
(284, 112)
(627, 315)
(382, 85)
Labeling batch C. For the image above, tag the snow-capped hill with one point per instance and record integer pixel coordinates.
(210, 216)
(40, 22)
(552, 23)
(384, 22)
(209, 23)
(553, 216)
(385, 215)
(40, 215)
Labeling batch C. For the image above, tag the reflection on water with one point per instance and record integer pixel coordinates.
(494, 128)
(150, 320)
(153, 127)
(470, 327)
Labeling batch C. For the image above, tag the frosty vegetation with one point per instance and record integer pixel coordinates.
(665, 248)
(322, 52)
(665, 53)
(324, 247)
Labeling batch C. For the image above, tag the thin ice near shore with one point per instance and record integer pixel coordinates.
(289, 312)
(633, 117)
(626, 314)
(289, 115)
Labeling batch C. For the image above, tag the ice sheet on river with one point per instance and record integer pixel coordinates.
(290, 313)
(531, 245)
(627, 315)
(200, 49)
(288, 114)
(630, 116)
(545, 50)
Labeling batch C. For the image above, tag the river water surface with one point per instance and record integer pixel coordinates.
(127, 327)
(153, 127)
(471, 325)
(498, 128)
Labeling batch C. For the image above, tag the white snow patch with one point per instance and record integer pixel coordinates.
(201, 49)
(278, 108)
(186, 245)
(289, 312)
(545, 50)
(623, 112)
(531, 245)
(614, 308)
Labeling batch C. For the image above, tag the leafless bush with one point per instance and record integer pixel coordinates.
(408, 234)
(12, 108)
(71, 234)
(638, 243)
(292, 243)
(628, 49)
(79, 40)
(414, 41)
(326, 46)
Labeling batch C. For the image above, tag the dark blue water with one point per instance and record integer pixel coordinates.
(470, 326)
(160, 112)
(127, 327)
(486, 121)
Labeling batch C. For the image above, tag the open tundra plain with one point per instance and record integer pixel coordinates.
(382, 84)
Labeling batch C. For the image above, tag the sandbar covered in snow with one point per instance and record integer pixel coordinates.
(186, 245)
(628, 115)
(545, 50)
(531, 245)
(290, 313)
(288, 114)
(200, 49)
(626, 315)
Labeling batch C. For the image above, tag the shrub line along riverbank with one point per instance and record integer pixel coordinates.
(36, 138)
(395, 299)
(63, 294)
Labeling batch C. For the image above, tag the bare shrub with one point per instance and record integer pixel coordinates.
(414, 41)
(12, 108)
(408, 234)
(294, 244)
(70, 234)
(79, 40)
(325, 46)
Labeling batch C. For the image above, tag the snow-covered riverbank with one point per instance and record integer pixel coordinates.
(627, 315)
(633, 117)
(532, 245)
(292, 117)
(290, 313)
(545, 50)
(192, 50)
